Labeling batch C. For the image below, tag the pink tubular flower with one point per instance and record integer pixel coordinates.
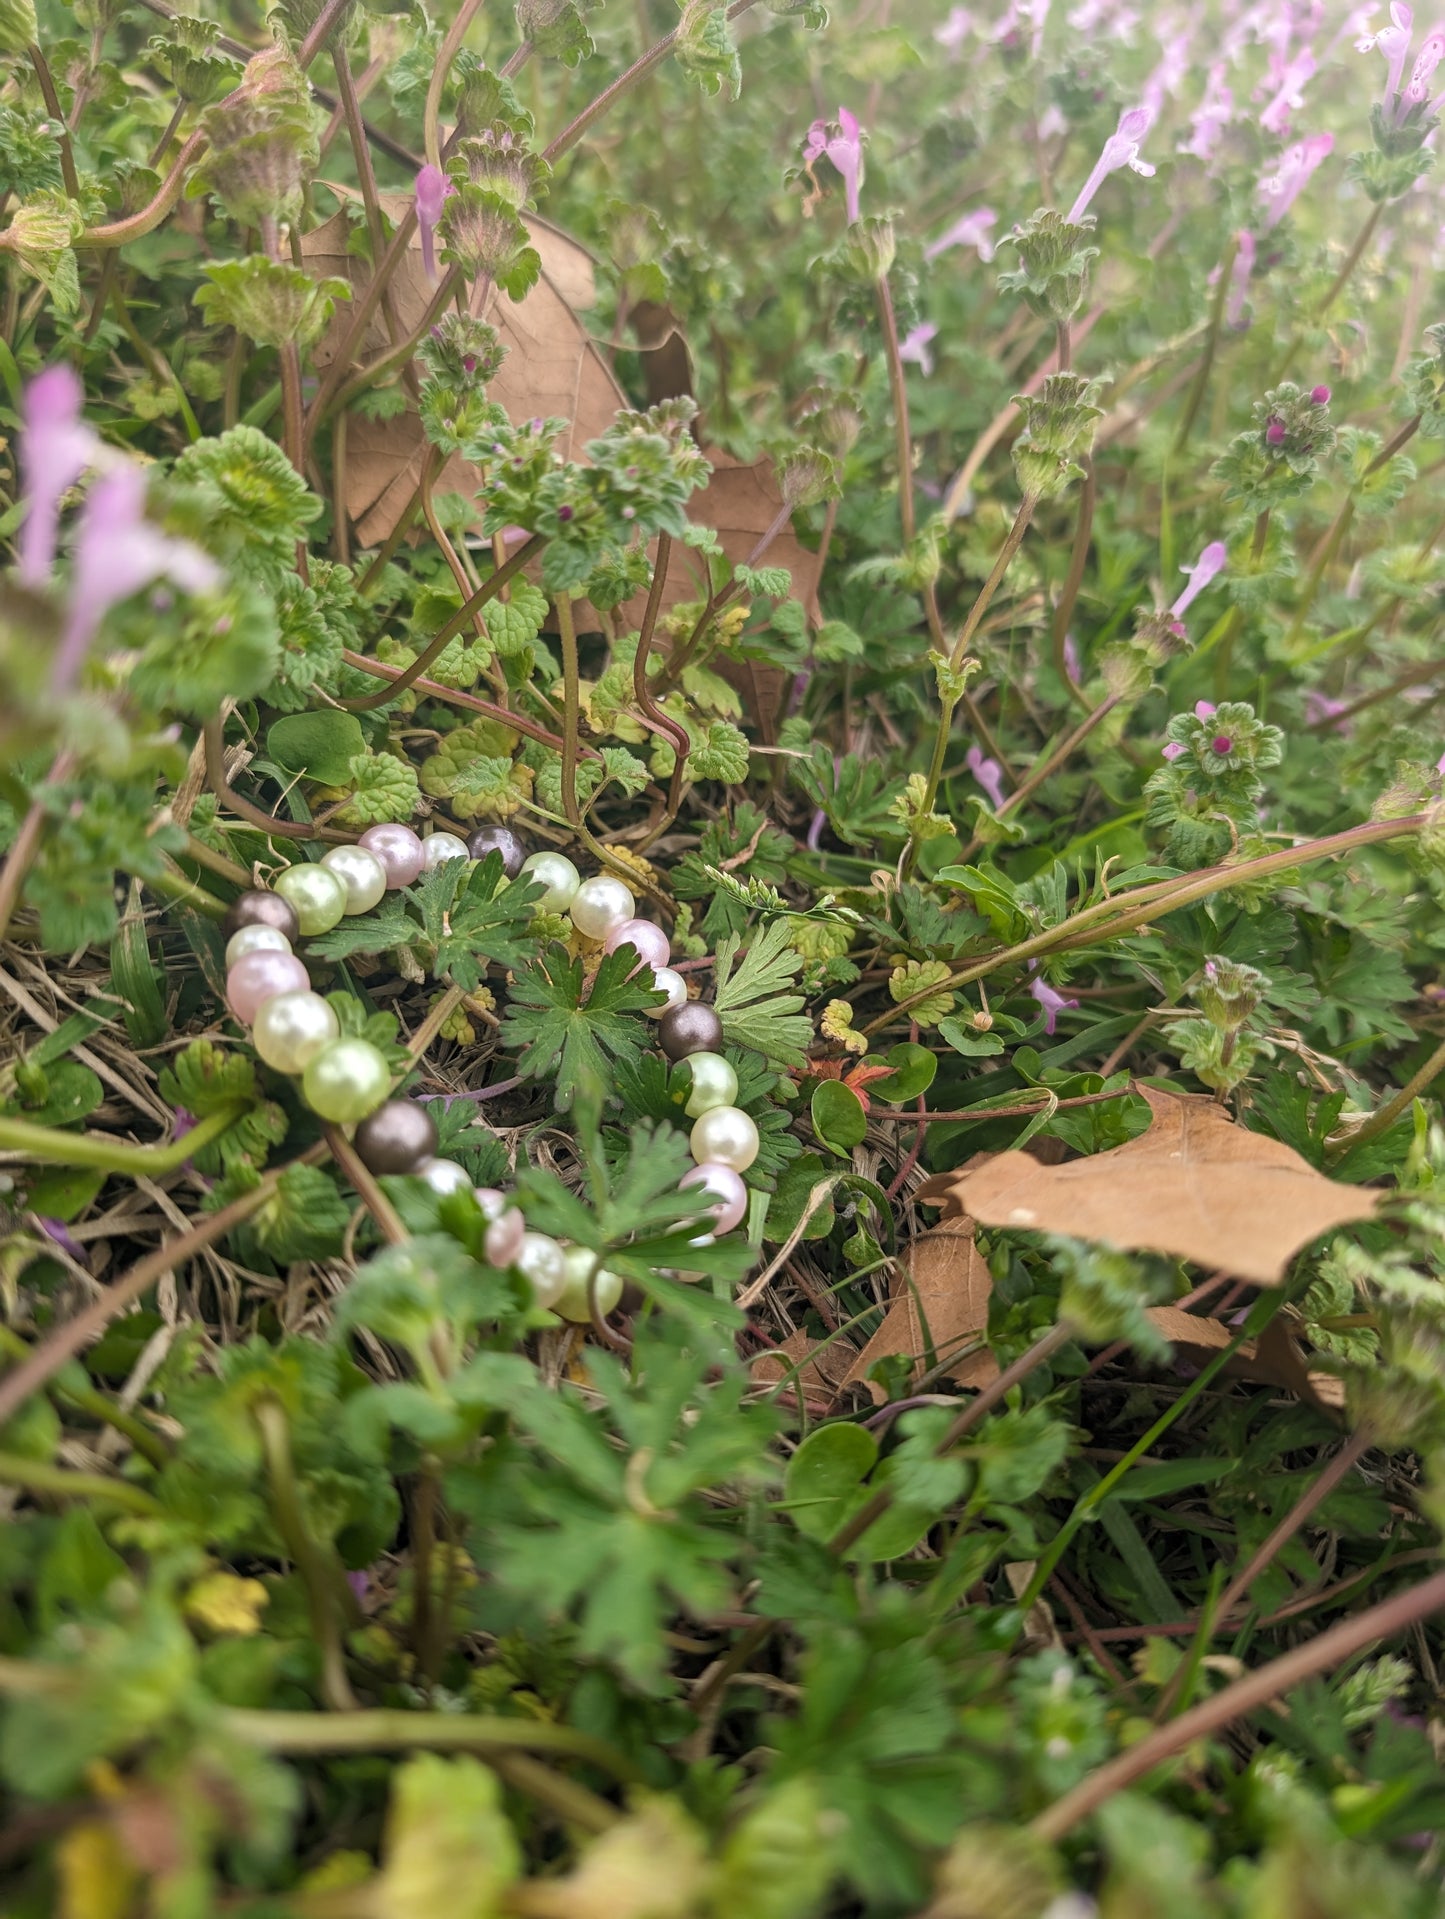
(955, 30)
(1173, 751)
(1052, 1002)
(989, 775)
(1211, 117)
(1290, 97)
(117, 553)
(56, 446)
(971, 231)
(1283, 187)
(845, 149)
(1072, 664)
(1319, 707)
(1210, 562)
(1417, 88)
(1394, 42)
(1205, 709)
(1121, 149)
(914, 347)
(432, 187)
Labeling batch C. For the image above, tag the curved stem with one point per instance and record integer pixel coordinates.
(320, 1570)
(468, 702)
(1385, 1116)
(53, 1147)
(387, 1730)
(62, 131)
(464, 615)
(446, 53)
(40, 1476)
(1344, 1461)
(388, 1220)
(1073, 580)
(1256, 1689)
(226, 795)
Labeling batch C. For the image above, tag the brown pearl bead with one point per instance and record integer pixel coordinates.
(499, 839)
(693, 1028)
(258, 908)
(396, 1138)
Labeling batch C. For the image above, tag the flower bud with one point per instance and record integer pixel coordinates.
(18, 28)
(263, 143)
(1228, 992)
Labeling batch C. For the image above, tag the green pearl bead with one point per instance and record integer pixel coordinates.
(346, 1080)
(316, 894)
(714, 1083)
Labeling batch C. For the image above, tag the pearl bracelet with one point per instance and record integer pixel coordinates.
(347, 1082)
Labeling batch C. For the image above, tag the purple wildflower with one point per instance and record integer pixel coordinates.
(914, 347)
(1205, 709)
(56, 446)
(1072, 664)
(1221, 744)
(1211, 116)
(1164, 82)
(989, 775)
(1440, 764)
(432, 188)
(118, 552)
(1320, 395)
(1320, 707)
(1394, 42)
(815, 829)
(955, 30)
(54, 1230)
(1283, 187)
(1173, 751)
(1290, 97)
(1274, 432)
(1052, 1002)
(1210, 562)
(1121, 149)
(845, 149)
(1417, 90)
(970, 231)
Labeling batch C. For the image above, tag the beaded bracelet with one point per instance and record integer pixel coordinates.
(347, 1082)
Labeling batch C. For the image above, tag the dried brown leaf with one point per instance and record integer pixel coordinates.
(948, 1285)
(1194, 1185)
(822, 1369)
(1274, 1359)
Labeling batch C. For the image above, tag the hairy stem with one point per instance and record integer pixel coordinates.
(320, 1570)
(898, 385)
(56, 1148)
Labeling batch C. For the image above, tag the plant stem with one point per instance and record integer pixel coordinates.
(1257, 1688)
(1328, 547)
(57, 1148)
(214, 734)
(1385, 1116)
(66, 1341)
(446, 53)
(387, 1730)
(1224, 664)
(463, 617)
(388, 1220)
(40, 1476)
(62, 130)
(898, 385)
(1352, 260)
(1344, 1461)
(319, 1570)
(1060, 755)
(26, 843)
(662, 722)
(469, 702)
(1073, 580)
(1211, 343)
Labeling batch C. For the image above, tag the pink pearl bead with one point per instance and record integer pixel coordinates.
(726, 1188)
(502, 1240)
(650, 941)
(398, 849)
(257, 977)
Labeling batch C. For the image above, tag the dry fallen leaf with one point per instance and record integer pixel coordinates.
(553, 368)
(950, 1289)
(1274, 1360)
(1195, 1185)
(821, 1369)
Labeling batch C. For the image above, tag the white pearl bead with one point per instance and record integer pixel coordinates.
(444, 1176)
(503, 1238)
(573, 1302)
(725, 1189)
(347, 1079)
(360, 872)
(601, 903)
(714, 1083)
(649, 940)
(437, 848)
(675, 987)
(727, 1136)
(255, 939)
(539, 1259)
(560, 877)
(291, 1029)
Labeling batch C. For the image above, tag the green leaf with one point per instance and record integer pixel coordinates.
(570, 1033)
(838, 1116)
(754, 1011)
(823, 1477)
(449, 1845)
(134, 976)
(321, 745)
(914, 1068)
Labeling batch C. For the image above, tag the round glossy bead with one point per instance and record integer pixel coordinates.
(575, 1300)
(438, 848)
(398, 849)
(347, 1080)
(714, 1083)
(664, 980)
(601, 903)
(539, 1259)
(693, 1028)
(360, 872)
(318, 896)
(502, 1241)
(255, 939)
(257, 977)
(397, 1138)
(492, 1201)
(725, 1187)
(725, 1136)
(649, 940)
(258, 908)
(444, 1176)
(498, 838)
(291, 1029)
(560, 877)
